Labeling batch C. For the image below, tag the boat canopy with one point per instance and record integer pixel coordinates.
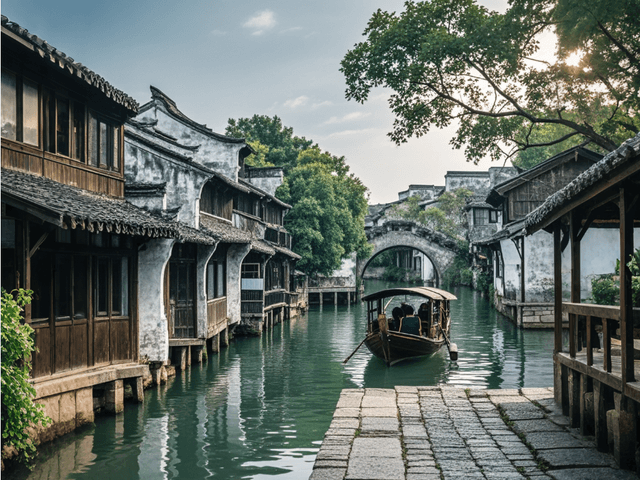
(426, 292)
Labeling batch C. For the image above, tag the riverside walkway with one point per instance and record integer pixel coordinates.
(429, 433)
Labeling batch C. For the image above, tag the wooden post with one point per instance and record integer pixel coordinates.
(600, 417)
(522, 276)
(626, 310)
(574, 398)
(575, 280)
(557, 287)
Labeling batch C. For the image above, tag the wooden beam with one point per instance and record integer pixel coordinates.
(557, 287)
(522, 272)
(626, 307)
(38, 243)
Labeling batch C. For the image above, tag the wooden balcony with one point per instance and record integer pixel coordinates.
(216, 316)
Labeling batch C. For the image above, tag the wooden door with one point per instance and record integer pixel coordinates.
(182, 297)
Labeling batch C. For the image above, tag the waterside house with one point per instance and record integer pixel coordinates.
(522, 264)
(596, 374)
(67, 232)
(195, 294)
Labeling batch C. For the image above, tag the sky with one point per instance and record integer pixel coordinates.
(231, 59)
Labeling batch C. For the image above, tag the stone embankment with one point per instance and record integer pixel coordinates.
(429, 433)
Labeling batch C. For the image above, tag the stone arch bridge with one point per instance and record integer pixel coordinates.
(438, 247)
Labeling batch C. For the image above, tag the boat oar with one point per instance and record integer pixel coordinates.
(452, 347)
(353, 353)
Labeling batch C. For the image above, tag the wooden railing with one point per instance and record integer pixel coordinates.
(583, 318)
(216, 315)
(274, 297)
(251, 301)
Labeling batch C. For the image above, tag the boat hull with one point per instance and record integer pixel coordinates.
(394, 347)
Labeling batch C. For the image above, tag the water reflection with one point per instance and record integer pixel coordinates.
(261, 408)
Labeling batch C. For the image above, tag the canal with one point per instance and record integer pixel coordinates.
(260, 409)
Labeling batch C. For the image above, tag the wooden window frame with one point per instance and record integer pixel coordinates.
(19, 107)
(493, 216)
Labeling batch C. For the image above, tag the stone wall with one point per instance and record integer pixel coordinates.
(267, 179)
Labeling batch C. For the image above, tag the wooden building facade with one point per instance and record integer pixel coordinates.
(597, 374)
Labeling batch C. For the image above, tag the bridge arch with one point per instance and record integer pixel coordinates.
(440, 249)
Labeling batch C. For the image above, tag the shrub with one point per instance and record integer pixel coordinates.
(18, 409)
(605, 290)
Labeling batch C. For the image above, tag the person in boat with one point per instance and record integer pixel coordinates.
(410, 323)
(397, 315)
(423, 314)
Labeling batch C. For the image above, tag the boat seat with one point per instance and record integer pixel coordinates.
(410, 325)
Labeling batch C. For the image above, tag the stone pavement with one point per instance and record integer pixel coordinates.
(429, 433)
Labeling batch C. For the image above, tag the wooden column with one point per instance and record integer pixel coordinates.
(626, 310)
(522, 276)
(600, 417)
(557, 288)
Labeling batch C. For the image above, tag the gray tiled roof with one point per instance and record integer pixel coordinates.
(511, 230)
(226, 232)
(261, 246)
(77, 208)
(627, 152)
(58, 58)
(287, 252)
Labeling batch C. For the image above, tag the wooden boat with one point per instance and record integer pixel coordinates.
(408, 332)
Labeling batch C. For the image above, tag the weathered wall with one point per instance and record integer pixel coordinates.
(219, 156)
(204, 254)
(235, 256)
(267, 179)
(474, 181)
(154, 331)
(184, 183)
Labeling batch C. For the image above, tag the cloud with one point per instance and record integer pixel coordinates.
(218, 33)
(346, 118)
(345, 133)
(291, 30)
(326, 103)
(261, 22)
(297, 102)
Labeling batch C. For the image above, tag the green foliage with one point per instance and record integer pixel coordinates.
(282, 146)
(605, 290)
(400, 274)
(18, 410)
(484, 282)
(447, 217)
(383, 259)
(459, 273)
(327, 218)
(329, 203)
(456, 62)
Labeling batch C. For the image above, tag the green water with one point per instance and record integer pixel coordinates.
(260, 409)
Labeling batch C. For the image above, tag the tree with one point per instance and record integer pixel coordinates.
(447, 217)
(326, 221)
(327, 218)
(455, 61)
(282, 146)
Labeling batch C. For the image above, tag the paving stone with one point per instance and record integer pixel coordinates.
(375, 468)
(576, 457)
(377, 401)
(559, 420)
(379, 412)
(345, 432)
(402, 389)
(380, 392)
(346, 412)
(349, 401)
(328, 455)
(379, 424)
(330, 464)
(328, 474)
(592, 474)
(423, 476)
(528, 426)
(420, 462)
(385, 447)
(415, 431)
(543, 440)
(345, 423)
(459, 466)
